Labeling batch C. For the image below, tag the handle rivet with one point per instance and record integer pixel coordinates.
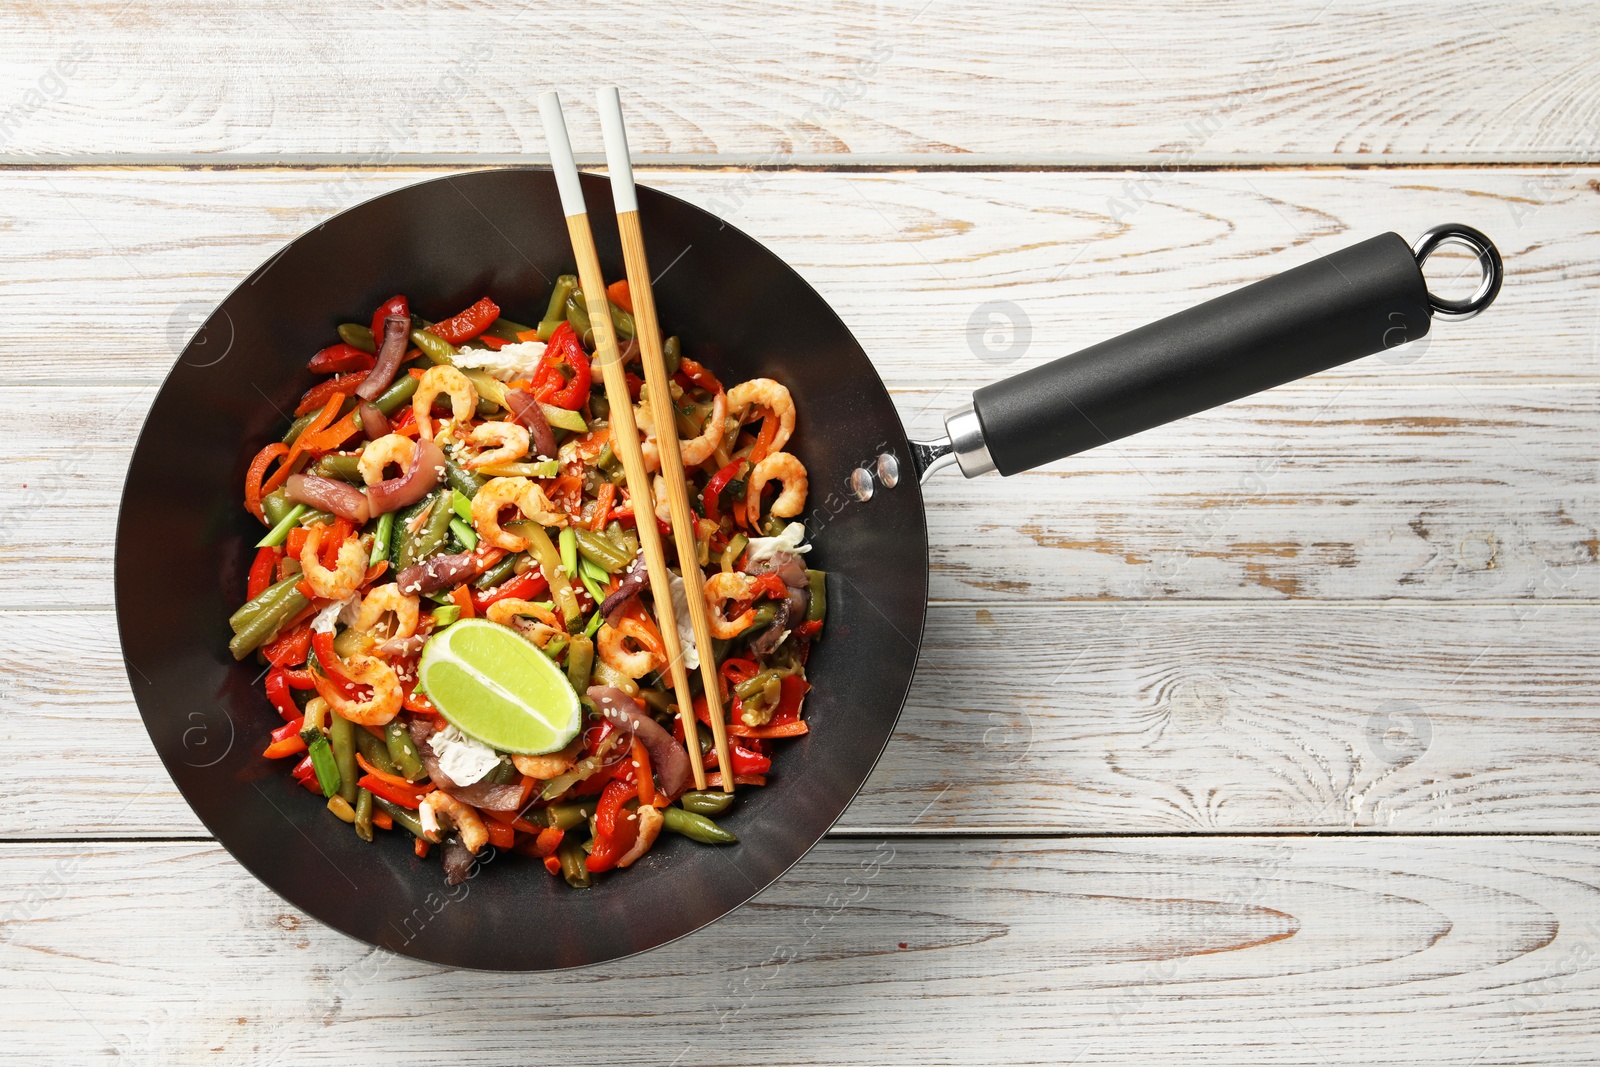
(861, 484)
(888, 470)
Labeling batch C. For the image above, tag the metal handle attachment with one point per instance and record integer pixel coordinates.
(1454, 233)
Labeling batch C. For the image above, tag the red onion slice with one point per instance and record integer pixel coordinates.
(326, 494)
(396, 336)
(525, 409)
(440, 572)
(427, 470)
(668, 758)
(373, 422)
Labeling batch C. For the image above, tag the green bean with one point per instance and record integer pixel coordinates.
(363, 814)
(265, 624)
(577, 315)
(672, 354)
(764, 616)
(573, 867)
(696, 827)
(504, 773)
(374, 751)
(568, 540)
(706, 803)
(400, 815)
(464, 534)
(462, 481)
(580, 661)
(402, 751)
(276, 505)
(556, 313)
(436, 348)
(341, 732)
(549, 559)
(345, 468)
(730, 555)
(624, 538)
(658, 699)
(268, 597)
(278, 533)
(600, 551)
(506, 330)
(564, 815)
(817, 609)
(381, 537)
(594, 624)
(400, 392)
(430, 539)
(323, 762)
(621, 320)
(296, 426)
(763, 682)
(447, 615)
(358, 336)
(500, 572)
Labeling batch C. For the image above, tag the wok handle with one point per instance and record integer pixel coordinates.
(1357, 301)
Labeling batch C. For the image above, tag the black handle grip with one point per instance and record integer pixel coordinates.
(1352, 303)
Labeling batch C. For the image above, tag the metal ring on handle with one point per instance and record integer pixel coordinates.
(1488, 261)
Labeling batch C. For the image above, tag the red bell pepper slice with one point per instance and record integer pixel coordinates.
(459, 329)
(395, 305)
(495, 343)
(745, 761)
(524, 586)
(613, 833)
(405, 796)
(692, 373)
(278, 692)
(788, 709)
(770, 586)
(332, 665)
(500, 835)
(341, 359)
(553, 386)
(710, 499)
(289, 649)
(319, 394)
(619, 294)
(301, 678)
(261, 572)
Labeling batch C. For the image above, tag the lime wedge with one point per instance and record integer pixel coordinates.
(495, 687)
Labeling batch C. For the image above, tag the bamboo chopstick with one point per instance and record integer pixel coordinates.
(648, 333)
(624, 432)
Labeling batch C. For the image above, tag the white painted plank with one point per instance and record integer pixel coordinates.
(1308, 952)
(124, 264)
(1435, 492)
(370, 81)
(1083, 718)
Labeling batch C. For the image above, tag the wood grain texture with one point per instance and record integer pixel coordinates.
(1360, 493)
(1308, 952)
(377, 82)
(1056, 718)
(911, 262)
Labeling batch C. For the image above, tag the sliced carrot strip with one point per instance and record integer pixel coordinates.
(784, 729)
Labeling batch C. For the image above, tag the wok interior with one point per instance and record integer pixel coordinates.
(184, 544)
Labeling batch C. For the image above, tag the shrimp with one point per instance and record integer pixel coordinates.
(440, 811)
(721, 588)
(650, 823)
(663, 509)
(376, 710)
(770, 395)
(786, 469)
(388, 600)
(510, 443)
(507, 612)
(529, 500)
(345, 577)
(548, 766)
(695, 450)
(392, 448)
(611, 646)
(443, 379)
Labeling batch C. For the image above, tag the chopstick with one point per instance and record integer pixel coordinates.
(648, 333)
(624, 432)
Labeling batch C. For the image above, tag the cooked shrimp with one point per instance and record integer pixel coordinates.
(695, 450)
(388, 600)
(508, 612)
(345, 577)
(611, 645)
(439, 811)
(443, 379)
(650, 823)
(551, 764)
(525, 496)
(503, 442)
(659, 491)
(390, 449)
(769, 395)
(786, 469)
(721, 588)
(377, 709)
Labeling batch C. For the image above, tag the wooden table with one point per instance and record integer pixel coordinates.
(1267, 737)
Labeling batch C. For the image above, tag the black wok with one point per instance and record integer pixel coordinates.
(184, 541)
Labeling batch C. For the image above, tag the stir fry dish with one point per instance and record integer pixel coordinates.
(453, 611)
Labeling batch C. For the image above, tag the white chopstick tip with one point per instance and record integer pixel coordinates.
(561, 161)
(615, 131)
